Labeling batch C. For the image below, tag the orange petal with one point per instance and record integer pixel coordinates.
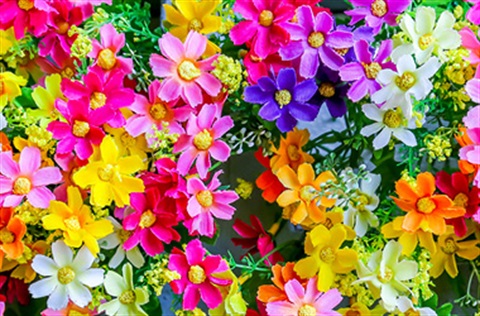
(287, 197)
(436, 224)
(425, 184)
(299, 214)
(404, 205)
(405, 191)
(412, 221)
(269, 293)
(306, 175)
(288, 178)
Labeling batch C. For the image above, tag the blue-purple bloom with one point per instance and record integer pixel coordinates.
(283, 99)
(331, 91)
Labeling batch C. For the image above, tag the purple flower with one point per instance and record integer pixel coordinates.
(377, 12)
(283, 99)
(331, 91)
(364, 71)
(313, 39)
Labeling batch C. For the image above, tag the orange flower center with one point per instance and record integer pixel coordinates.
(195, 25)
(106, 173)
(158, 111)
(327, 89)
(127, 297)
(196, 274)
(307, 310)
(147, 219)
(266, 18)
(405, 81)
(205, 198)
(80, 128)
(425, 41)
(308, 193)
(316, 39)
(292, 152)
(450, 246)
(123, 235)
(6, 236)
(412, 312)
(97, 100)
(387, 276)
(372, 69)
(72, 223)
(106, 59)
(22, 186)
(379, 8)
(283, 97)
(188, 71)
(127, 140)
(25, 4)
(67, 73)
(65, 275)
(2, 87)
(62, 26)
(461, 199)
(203, 140)
(426, 205)
(327, 255)
(392, 119)
(353, 313)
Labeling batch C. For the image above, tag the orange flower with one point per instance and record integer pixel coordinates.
(267, 181)
(4, 143)
(303, 191)
(281, 275)
(290, 151)
(23, 270)
(464, 140)
(12, 230)
(425, 209)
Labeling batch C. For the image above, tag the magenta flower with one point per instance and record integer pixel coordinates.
(264, 28)
(377, 12)
(473, 14)
(471, 42)
(185, 75)
(28, 15)
(314, 40)
(258, 67)
(305, 301)
(105, 52)
(202, 140)
(26, 179)
(364, 71)
(471, 152)
(206, 203)
(197, 280)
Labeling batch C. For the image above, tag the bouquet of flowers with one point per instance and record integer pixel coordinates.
(357, 132)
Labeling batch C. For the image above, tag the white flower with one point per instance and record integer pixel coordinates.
(405, 305)
(426, 37)
(385, 273)
(3, 122)
(388, 121)
(65, 277)
(360, 210)
(116, 239)
(398, 87)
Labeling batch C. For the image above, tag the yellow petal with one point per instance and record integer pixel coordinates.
(43, 99)
(338, 234)
(91, 244)
(87, 175)
(173, 16)
(186, 7)
(289, 179)
(451, 266)
(130, 165)
(345, 261)
(306, 175)
(109, 150)
(287, 197)
(211, 23)
(320, 236)
(75, 201)
(325, 277)
(426, 241)
(52, 222)
(101, 194)
(61, 209)
(306, 267)
(409, 242)
(100, 228)
(205, 8)
(438, 264)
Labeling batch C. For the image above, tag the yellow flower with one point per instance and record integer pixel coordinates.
(194, 15)
(7, 40)
(128, 145)
(10, 87)
(76, 221)
(360, 309)
(233, 303)
(325, 256)
(109, 177)
(45, 99)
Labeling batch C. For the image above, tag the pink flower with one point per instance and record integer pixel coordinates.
(264, 25)
(471, 152)
(27, 15)
(473, 89)
(305, 301)
(184, 74)
(473, 14)
(105, 52)
(206, 203)
(202, 140)
(26, 178)
(471, 42)
(153, 112)
(196, 271)
(258, 67)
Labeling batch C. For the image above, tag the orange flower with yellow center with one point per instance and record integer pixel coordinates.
(12, 230)
(290, 151)
(276, 291)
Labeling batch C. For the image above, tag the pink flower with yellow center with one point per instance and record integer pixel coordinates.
(24, 16)
(184, 75)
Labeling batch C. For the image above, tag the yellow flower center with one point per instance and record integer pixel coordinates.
(316, 39)
(67, 73)
(205, 198)
(106, 173)
(361, 201)
(6, 236)
(327, 89)
(188, 71)
(412, 312)
(353, 313)
(387, 276)
(25, 4)
(195, 25)
(307, 310)
(97, 100)
(65, 275)
(22, 186)
(392, 119)
(123, 235)
(196, 274)
(203, 140)
(72, 223)
(73, 312)
(80, 128)
(426, 205)
(341, 51)
(127, 140)
(62, 26)
(283, 97)
(327, 255)
(425, 41)
(308, 193)
(106, 59)
(293, 153)
(266, 18)
(372, 69)
(450, 246)
(147, 219)
(158, 111)
(405, 81)
(379, 8)
(127, 297)
(461, 199)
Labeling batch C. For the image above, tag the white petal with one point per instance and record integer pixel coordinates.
(405, 136)
(425, 20)
(382, 139)
(390, 255)
(422, 55)
(408, 26)
(135, 257)
(59, 298)
(383, 94)
(386, 76)
(44, 265)
(370, 186)
(128, 275)
(421, 89)
(111, 308)
(448, 39)
(373, 112)
(402, 50)
(405, 270)
(91, 277)
(62, 254)
(141, 296)
(43, 287)
(361, 226)
(389, 295)
(445, 21)
(115, 284)
(3, 121)
(406, 63)
(79, 294)
(428, 69)
(371, 129)
(404, 304)
(117, 258)
(83, 260)
(109, 242)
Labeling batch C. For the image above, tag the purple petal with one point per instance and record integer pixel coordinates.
(323, 22)
(286, 79)
(330, 58)
(286, 122)
(292, 50)
(340, 39)
(303, 112)
(270, 111)
(255, 94)
(309, 63)
(304, 91)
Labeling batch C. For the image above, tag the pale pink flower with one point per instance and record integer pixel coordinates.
(471, 42)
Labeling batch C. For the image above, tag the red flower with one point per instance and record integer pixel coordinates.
(267, 181)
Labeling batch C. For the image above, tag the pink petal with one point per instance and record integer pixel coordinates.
(281, 308)
(194, 252)
(150, 243)
(137, 125)
(6, 185)
(185, 160)
(13, 200)
(225, 197)
(221, 126)
(193, 207)
(30, 160)
(203, 163)
(170, 89)
(210, 295)
(209, 83)
(192, 94)
(194, 185)
(195, 45)
(243, 32)
(107, 35)
(8, 167)
(220, 151)
(191, 297)
(171, 47)
(132, 241)
(47, 176)
(295, 291)
(328, 301)
(206, 116)
(222, 211)
(40, 197)
(162, 67)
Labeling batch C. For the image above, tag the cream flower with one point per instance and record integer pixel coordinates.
(405, 306)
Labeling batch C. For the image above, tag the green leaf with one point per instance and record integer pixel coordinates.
(432, 302)
(445, 309)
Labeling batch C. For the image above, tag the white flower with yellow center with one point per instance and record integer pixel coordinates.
(426, 37)
(389, 122)
(405, 306)
(65, 278)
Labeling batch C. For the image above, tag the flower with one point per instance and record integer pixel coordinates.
(331, 91)
(65, 277)
(303, 190)
(71, 309)
(128, 298)
(26, 179)
(267, 181)
(257, 67)
(469, 152)
(197, 273)
(205, 203)
(426, 38)
(389, 121)
(283, 99)
(127, 144)
(377, 12)
(12, 231)
(472, 44)
(201, 140)
(305, 300)
(22, 266)
(24, 16)
(365, 69)
(10, 87)
(290, 150)
(472, 89)
(109, 176)
(325, 257)
(399, 86)
(264, 28)
(76, 221)
(474, 12)
(184, 75)
(314, 39)
(276, 291)
(405, 306)
(45, 99)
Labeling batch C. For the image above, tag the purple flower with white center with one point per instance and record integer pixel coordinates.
(365, 70)
(283, 99)
(314, 39)
(331, 91)
(377, 12)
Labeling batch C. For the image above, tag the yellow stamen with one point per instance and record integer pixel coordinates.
(293, 153)
(80, 128)
(405, 81)
(461, 199)
(307, 310)
(387, 276)
(450, 246)
(158, 111)
(97, 100)
(308, 193)
(372, 69)
(72, 223)
(22, 186)
(127, 297)
(425, 41)
(327, 89)
(316, 39)
(205, 198)
(196, 274)
(147, 219)
(195, 25)
(106, 59)
(266, 18)
(283, 97)
(392, 119)
(327, 255)
(127, 140)
(426, 205)
(66, 275)
(379, 8)
(106, 173)
(188, 71)
(25, 4)
(6, 236)
(203, 140)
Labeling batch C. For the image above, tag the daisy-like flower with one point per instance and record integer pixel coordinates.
(128, 299)
(389, 122)
(305, 300)
(331, 91)
(12, 230)
(24, 16)
(405, 306)
(398, 87)
(471, 42)
(315, 40)
(290, 150)
(471, 149)
(276, 291)
(473, 14)
(65, 277)
(473, 89)
(184, 74)
(10, 87)
(26, 179)
(425, 37)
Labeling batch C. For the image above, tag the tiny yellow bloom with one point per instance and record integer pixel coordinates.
(10, 87)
